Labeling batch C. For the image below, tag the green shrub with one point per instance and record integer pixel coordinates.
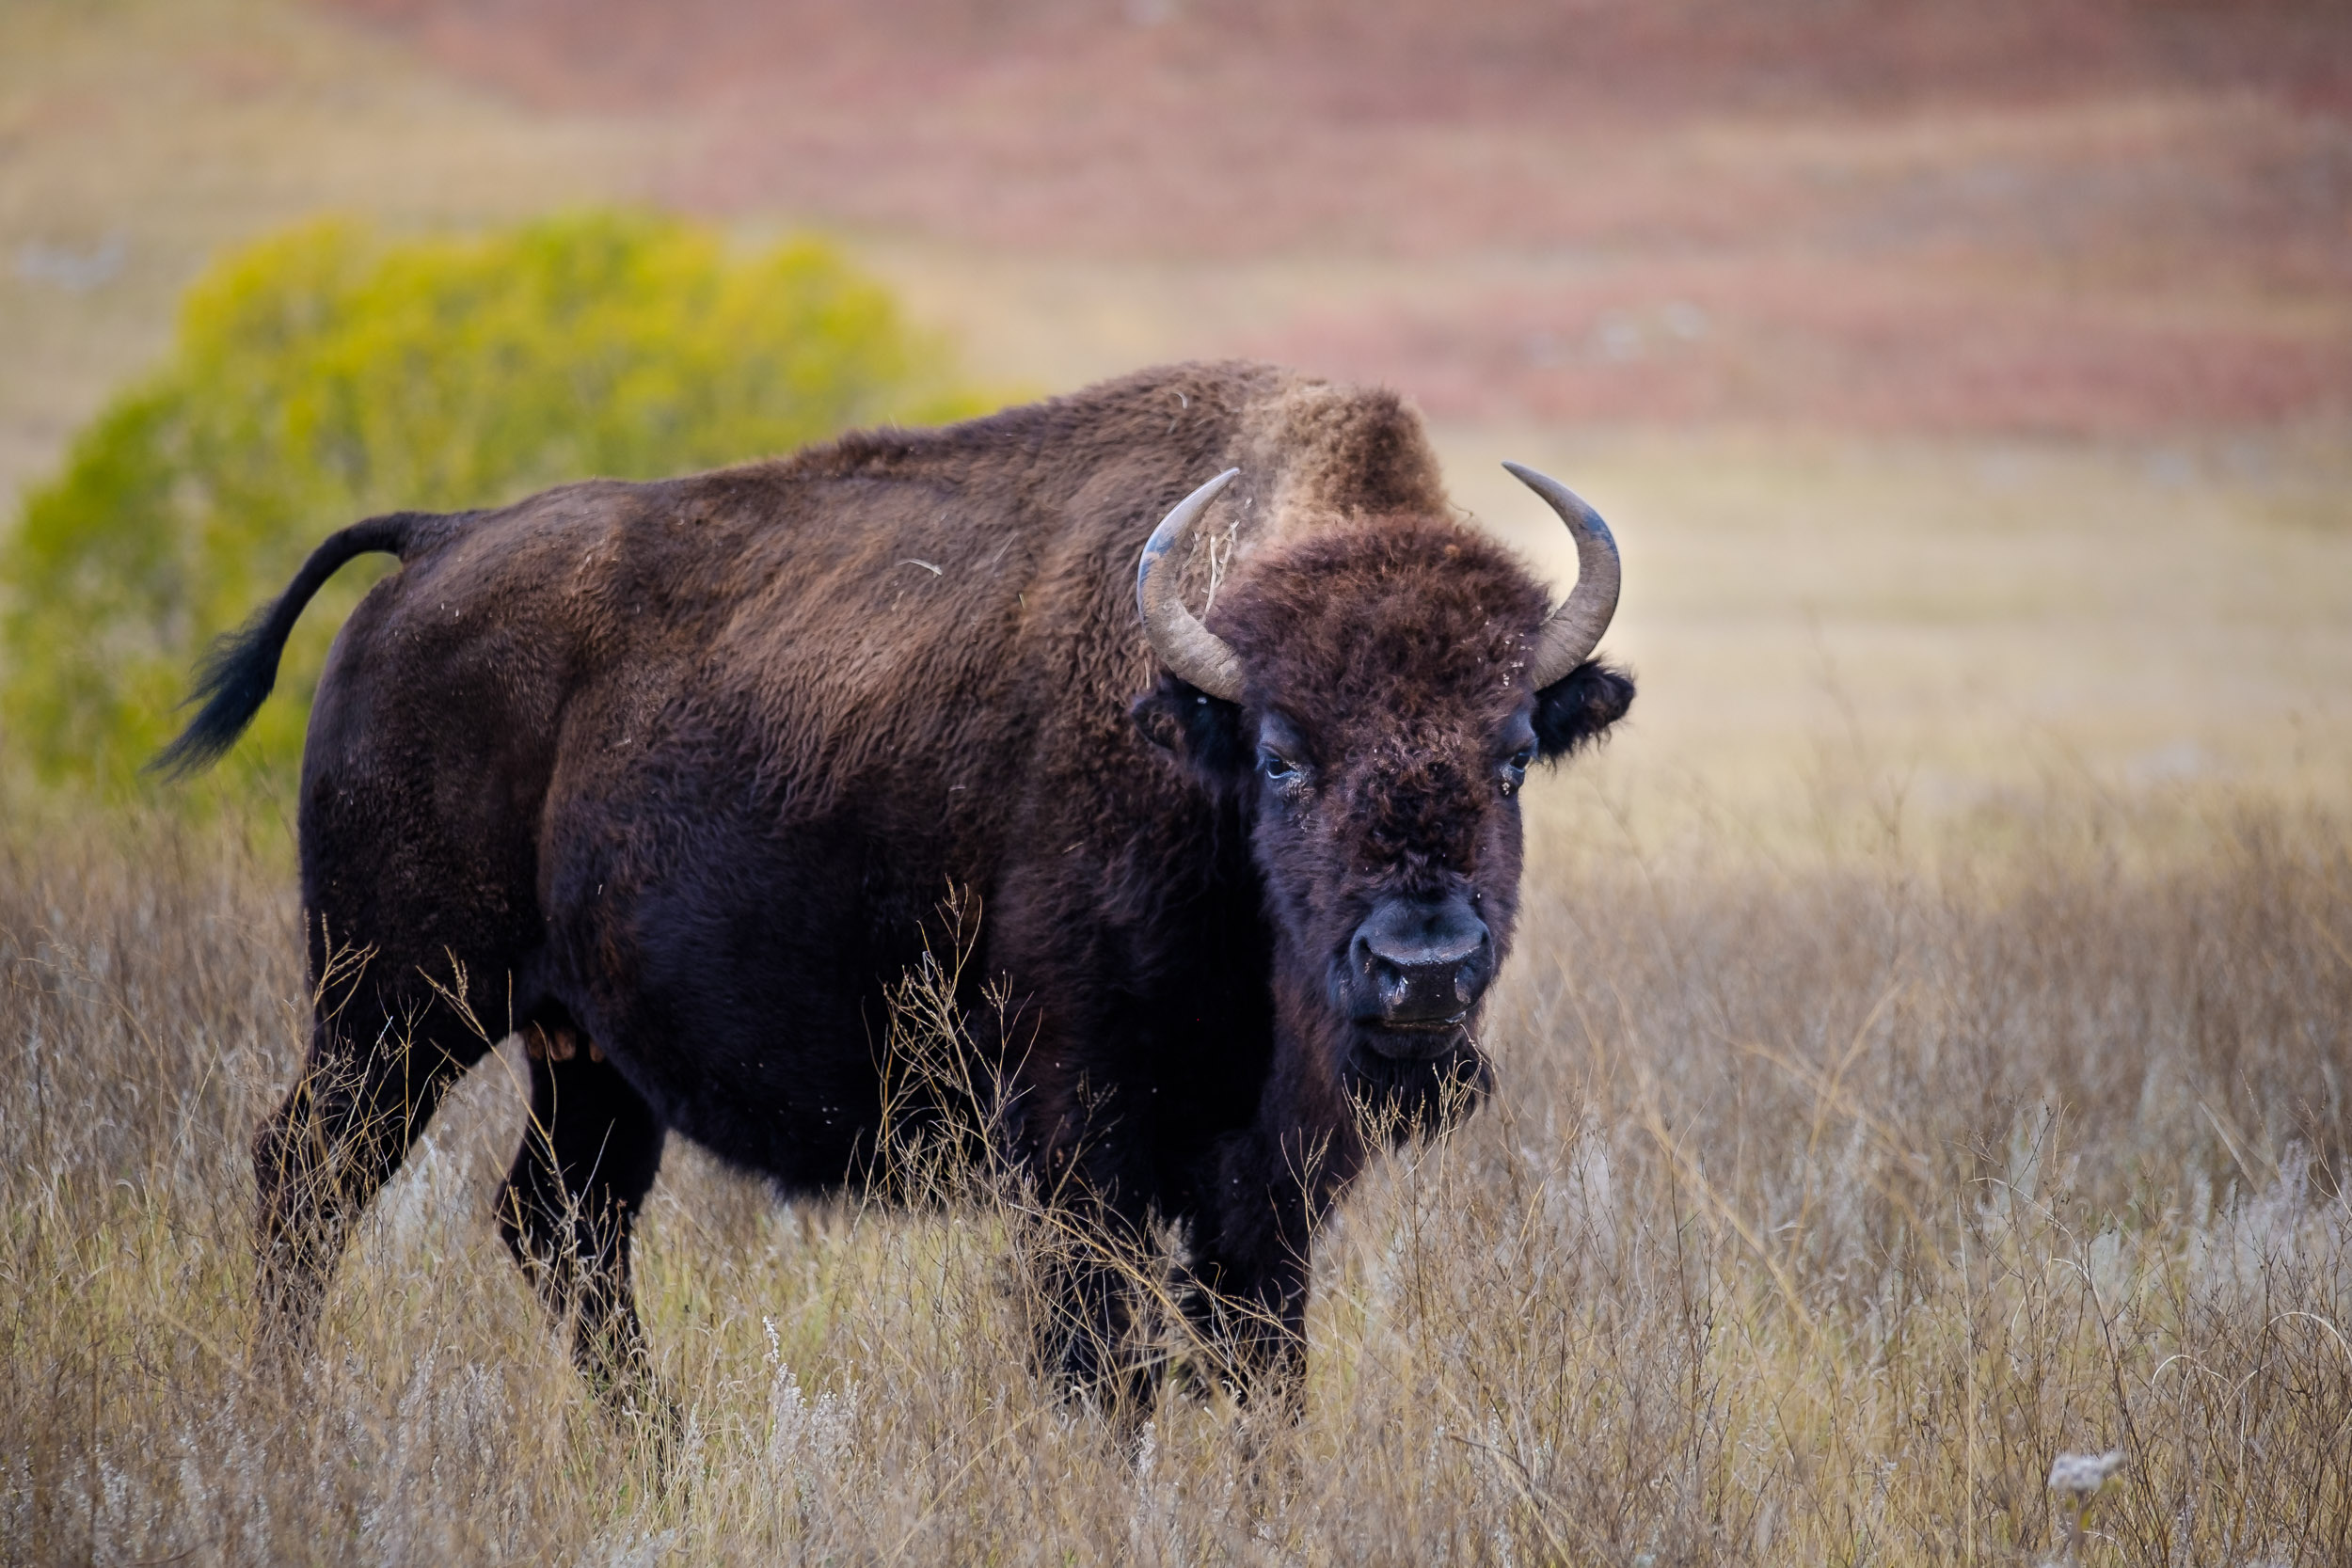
(326, 373)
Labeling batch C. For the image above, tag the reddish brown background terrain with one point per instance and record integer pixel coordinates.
(1971, 386)
(2050, 217)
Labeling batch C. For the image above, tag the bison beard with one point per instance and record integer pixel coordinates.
(672, 778)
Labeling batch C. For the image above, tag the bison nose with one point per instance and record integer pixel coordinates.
(1420, 963)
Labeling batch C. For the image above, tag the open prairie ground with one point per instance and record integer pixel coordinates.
(1927, 1047)
(1819, 1208)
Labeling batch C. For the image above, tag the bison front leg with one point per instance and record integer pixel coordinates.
(1249, 1325)
(1245, 1288)
(1090, 1269)
(1087, 1254)
(589, 1155)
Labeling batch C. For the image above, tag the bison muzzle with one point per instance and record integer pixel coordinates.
(672, 779)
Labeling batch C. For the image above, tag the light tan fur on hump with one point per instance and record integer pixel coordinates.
(1313, 452)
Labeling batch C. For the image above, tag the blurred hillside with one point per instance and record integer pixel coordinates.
(142, 138)
(1971, 386)
(2077, 216)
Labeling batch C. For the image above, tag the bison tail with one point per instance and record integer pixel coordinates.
(236, 673)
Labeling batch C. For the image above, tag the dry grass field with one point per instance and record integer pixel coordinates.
(1928, 1045)
(1819, 1209)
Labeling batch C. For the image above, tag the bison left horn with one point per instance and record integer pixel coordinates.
(1575, 629)
(1191, 650)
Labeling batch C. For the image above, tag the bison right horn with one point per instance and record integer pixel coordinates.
(1575, 629)
(1191, 650)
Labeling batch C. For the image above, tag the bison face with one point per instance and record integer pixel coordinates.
(1381, 729)
(1390, 854)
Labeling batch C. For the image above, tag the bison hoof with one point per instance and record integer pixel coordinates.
(557, 1044)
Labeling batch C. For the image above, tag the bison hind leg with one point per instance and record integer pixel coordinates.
(370, 1083)
(589, 1155)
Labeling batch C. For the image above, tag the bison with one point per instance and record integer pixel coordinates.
(672, 778)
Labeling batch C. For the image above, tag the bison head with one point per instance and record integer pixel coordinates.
(1372, 700)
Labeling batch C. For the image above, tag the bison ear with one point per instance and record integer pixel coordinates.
(1205, 732)
(1580, 706)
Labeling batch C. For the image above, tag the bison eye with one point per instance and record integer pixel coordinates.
(1515, 769)
(1277, 767)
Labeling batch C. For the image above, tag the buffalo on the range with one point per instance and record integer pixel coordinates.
(673, 778)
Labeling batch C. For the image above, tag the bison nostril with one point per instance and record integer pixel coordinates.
(1419, 964)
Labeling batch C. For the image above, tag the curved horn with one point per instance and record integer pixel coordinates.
(1189, 649)
(1575, 629)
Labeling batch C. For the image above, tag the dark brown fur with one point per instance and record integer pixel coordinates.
(687, 767)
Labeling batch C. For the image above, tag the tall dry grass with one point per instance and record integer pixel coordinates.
(1825, 1199)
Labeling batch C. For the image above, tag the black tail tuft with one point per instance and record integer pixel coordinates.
(236, 673)
(231, 680)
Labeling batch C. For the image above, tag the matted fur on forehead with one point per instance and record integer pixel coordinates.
(1385, 618)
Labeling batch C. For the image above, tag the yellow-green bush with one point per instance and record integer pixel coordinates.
(327, 373)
